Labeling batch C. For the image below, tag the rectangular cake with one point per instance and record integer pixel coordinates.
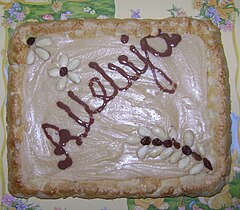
(118, 108)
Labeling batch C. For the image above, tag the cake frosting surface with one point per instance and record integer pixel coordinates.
(104, 153)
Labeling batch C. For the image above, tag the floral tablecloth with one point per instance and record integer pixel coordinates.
(223, 13)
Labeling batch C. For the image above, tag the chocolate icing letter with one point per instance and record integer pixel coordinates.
(64, 134)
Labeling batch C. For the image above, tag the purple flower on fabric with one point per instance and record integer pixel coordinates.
(216, 19)
(11, 11)
(191, 204)
(210, 12)
(18, 9)
(135, 13)
(8, 200)
(228, 26)
(21, 206)
(20, 16)
(181, 13)
(105, 208)
(9, 20)
(235, 140)
(65, 15)
(68, 13)
(16, 5)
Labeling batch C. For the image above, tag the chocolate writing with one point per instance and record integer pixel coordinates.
(65, 136)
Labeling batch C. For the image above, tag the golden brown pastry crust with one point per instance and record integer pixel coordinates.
(204, 184)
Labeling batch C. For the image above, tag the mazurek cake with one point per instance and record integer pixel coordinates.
(118, 108)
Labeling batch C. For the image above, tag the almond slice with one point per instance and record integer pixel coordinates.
(30, 57)
(160, 132)
(73, 64)
(62, 82)
(197, 168)
(132, 140)
(74, 77)
(156, 152)
(43, 54)
(54, 72)
(172, 132)
(142, 152)
(188, 137)
(143, 131)
(183, 162)
(63, 61)
(201, 150)
(175, 157)
(166, 153)
(44, 42)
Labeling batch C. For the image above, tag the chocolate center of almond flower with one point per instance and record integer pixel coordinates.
(63, 71)
(30, 41)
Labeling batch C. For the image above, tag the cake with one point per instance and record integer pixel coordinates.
(118, 108)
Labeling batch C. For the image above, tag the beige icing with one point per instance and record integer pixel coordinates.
(105, 154)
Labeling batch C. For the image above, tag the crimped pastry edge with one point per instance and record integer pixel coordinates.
(193, 185)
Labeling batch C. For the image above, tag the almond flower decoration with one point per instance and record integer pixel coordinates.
(37, 48)
(66, 71)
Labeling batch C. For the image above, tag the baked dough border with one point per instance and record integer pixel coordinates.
(204, 184)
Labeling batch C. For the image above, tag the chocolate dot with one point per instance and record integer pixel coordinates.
(63, 71)
(146, 140)
(84, 135)
(63, 164)
(196, 156)
(59, 150)
(78, 141)
(124, 39)
(65, 136)
(186, 150)
(167, 143)
(156, 142)
(207, 164)
(176, 144)
(30, 41)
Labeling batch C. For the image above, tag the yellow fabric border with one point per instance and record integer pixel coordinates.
(237, 74)
(3, 121)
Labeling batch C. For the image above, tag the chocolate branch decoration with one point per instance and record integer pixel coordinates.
(157, 142)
